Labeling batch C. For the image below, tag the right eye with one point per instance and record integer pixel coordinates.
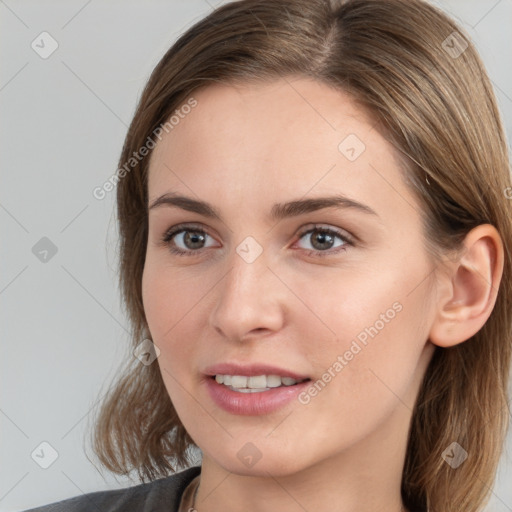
(190, 237)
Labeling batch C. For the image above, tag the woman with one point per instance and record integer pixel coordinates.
(314, 213)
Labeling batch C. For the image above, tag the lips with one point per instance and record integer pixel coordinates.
(252, 390)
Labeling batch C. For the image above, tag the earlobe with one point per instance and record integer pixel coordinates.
(468, 291)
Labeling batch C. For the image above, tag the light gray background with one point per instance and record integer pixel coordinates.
(63, 121)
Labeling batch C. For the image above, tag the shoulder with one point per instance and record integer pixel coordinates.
(156, 496)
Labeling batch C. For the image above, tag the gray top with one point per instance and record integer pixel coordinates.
(161, 495)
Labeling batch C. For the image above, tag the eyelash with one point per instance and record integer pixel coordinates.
(169, 234)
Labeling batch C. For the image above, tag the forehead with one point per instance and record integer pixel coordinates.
(252, 112)
(250, 143)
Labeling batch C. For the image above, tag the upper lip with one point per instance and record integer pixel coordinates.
(251, 370)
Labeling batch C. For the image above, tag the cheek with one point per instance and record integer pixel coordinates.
(167, 303)
(163, 310)
(169, 296)
(369, 371)
(378, 330)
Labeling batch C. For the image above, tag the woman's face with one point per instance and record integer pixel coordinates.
(263, 292)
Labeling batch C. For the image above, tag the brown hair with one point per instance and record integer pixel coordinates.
(407, 63)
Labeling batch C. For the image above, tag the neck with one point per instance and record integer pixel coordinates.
(299, 493)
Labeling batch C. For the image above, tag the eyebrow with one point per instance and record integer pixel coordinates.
(279, 210)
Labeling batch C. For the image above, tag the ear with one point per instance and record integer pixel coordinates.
(467, 291)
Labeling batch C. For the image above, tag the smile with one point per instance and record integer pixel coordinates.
(254, 384)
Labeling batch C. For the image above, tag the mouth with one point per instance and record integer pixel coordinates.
(253, 390)
(255, 383)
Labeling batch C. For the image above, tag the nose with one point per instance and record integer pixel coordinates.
(250, 300)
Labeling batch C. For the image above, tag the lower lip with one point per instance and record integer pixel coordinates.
(253, 404)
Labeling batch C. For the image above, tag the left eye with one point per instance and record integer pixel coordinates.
(322, 240)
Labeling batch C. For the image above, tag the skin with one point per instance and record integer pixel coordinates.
(242, 149)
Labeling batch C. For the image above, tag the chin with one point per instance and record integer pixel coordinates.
(263, 463)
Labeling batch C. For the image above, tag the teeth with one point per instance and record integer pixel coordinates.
(259, 381)
(254, 383)
(239, 381)
(273, 381)
(249, 390)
